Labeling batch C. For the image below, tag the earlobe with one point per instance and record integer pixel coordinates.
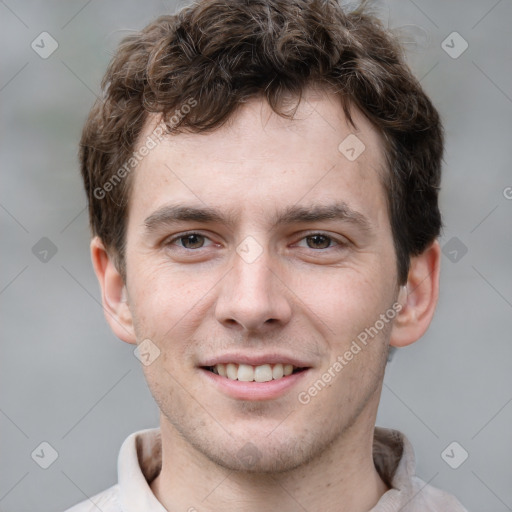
(113, 292)
(418, 298)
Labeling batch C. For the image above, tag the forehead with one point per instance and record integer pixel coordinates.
(259, 161)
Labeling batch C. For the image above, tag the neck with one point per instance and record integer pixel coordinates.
(343, 478)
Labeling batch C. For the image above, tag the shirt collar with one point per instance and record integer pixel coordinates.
(139, 462)
(393, 456)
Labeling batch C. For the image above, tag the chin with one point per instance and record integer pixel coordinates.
(260, 458)
(265, 449)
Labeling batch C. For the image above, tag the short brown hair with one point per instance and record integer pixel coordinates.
(222, 53)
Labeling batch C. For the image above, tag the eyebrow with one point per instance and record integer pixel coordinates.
(172, 214)
(337, 211)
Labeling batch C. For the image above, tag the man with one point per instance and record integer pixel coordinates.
(262, 180)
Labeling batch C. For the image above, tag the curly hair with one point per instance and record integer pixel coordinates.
(222, 53)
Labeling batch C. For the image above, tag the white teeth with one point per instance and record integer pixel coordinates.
(262, 373)
(221, 370)
(248, 373)
(277, 371)
(245, 373)
(231, 371)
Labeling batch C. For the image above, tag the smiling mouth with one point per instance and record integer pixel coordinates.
(248, 373)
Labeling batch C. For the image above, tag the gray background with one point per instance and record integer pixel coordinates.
(66, 380)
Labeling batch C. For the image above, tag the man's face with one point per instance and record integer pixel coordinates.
(264, 279)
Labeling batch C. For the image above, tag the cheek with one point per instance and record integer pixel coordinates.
(166, 301)
(345, 301)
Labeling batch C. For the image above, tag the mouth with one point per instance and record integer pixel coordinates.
(247, 373)
(264, 380)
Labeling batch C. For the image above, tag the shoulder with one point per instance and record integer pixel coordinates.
(106, 501)
(431, 499)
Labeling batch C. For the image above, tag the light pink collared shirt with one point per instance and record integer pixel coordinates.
(140, 461)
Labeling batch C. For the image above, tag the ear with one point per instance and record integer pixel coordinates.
(418, 297)
(113, 292)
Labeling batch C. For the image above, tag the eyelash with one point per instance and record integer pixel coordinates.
(340, 244)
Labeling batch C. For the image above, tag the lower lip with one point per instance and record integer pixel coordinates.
(254, 390)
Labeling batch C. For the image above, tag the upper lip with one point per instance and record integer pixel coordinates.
(255, 360)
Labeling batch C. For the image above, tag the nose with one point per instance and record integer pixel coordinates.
(253, 297)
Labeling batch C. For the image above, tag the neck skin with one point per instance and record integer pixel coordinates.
(341, 479)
